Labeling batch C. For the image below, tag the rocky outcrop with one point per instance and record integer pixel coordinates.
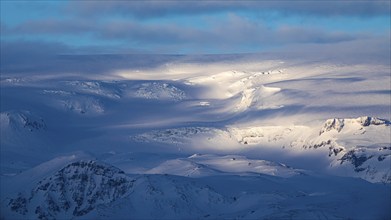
(338, 123)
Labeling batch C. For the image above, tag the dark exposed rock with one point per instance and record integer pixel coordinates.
(332, 124)
(18, 204)
(357, 161)
(367, 121)
(338, 123)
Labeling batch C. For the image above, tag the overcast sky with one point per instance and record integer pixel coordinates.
(30, 29)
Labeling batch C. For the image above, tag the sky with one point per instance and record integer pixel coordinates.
(193, 27)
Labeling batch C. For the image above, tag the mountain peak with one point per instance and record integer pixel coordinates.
(339, 123)
(75, 190)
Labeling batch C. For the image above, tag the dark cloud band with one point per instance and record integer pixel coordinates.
(147, 9)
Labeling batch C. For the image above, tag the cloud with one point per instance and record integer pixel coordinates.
(149, 9)
(87, 27)
(39, 57)
(229, 35)
(22, 56)
(52, 26)
(30, 50)
(372, 50)
(29, 58)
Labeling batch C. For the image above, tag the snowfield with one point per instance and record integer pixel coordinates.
(241, 137)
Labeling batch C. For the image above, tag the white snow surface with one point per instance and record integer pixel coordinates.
(241, 137)
(210, 165)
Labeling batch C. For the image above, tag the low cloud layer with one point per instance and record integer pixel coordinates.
(232, 33)
(167, 8)
(347, 29)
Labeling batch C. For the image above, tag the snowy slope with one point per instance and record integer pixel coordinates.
(20, 123)
(198, 137)
(91, 189)
(359, 147)
(208, 165)
(23, 135)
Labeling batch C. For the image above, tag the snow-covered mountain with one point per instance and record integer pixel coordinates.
(75, 190)
(91, 189)
(198, 138)
(357, 147)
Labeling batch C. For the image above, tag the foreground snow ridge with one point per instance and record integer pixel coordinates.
(91, 189)
(85, 188)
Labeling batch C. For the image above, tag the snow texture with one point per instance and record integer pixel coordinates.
(198, 137)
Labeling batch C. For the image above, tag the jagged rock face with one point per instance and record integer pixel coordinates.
(370, 163)
(74, 190)
(367, 121)
(338, 123)
(356, 160)
(362, 144)
(332, 124)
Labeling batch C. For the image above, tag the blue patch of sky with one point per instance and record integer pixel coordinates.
(17, 12)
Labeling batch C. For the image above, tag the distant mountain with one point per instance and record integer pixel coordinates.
(21, 121)
(357, 147)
